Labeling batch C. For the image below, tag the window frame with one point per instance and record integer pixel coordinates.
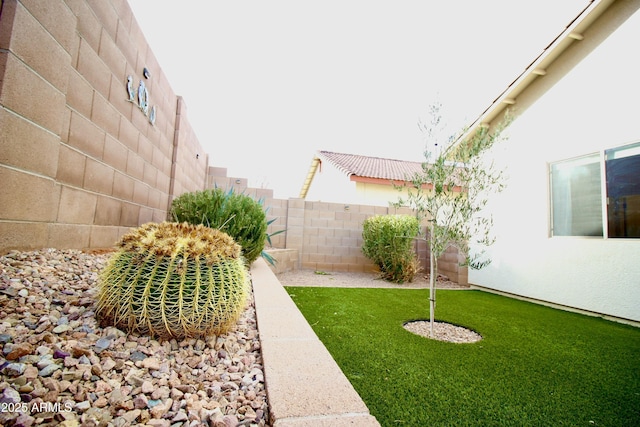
(611, 155)
(602, 156)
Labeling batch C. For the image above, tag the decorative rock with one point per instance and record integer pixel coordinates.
(24, 420)
(61, 329)
(179, 417)
(153, 402)
(161, 393)
(70, 362)
(159, 423)
(132, 415)
(44, 361)
(100, 402)
(147, 387)
(151, 363)
(176, 393)
(43, 350)
(71, 375)
(80, 351)
(10, 395)
(103, 387)
(137, 356)
(19, 350)
(51, 384)
(48, 370)
(27, 388)
(83, 406)
(101, 345)
(15, 369)
(96, 370)
(107, 376)
(59, 354)
(134, 379)
(159, 410)
(116, 397)
(216, 419)
(140, 401)
(230, 420)
(108, 364)
(10, 291)
(64, 385)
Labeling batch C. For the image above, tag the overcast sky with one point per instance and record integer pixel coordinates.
(269, 83)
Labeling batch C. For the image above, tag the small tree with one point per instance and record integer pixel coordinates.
(451, 192)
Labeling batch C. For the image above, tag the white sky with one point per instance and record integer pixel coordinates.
(269, 83)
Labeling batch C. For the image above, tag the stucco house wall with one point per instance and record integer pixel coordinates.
(333, 185)
(377, 194)
(587, 102)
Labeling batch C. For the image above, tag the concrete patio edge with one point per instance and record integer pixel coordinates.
(305, 386)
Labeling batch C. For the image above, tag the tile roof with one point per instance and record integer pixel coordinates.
(372, 167)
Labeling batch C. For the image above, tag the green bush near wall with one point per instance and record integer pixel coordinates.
(236, 214)
(388, 242)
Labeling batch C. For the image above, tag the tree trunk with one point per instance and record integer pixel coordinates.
(433, 273)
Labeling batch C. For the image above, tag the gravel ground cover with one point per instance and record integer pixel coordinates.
(58, 367)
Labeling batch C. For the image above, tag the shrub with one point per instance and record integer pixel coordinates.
(388, 242)
(173, 281)
(238, 215)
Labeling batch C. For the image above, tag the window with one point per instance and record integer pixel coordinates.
(576, 197)
(623, 191)
(576, 194)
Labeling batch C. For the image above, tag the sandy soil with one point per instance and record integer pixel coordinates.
(357, 280)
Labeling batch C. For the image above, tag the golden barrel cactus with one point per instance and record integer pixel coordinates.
(173, 280)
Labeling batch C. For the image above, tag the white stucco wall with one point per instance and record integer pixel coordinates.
(331, 185)
(595, 107)
(334, 186)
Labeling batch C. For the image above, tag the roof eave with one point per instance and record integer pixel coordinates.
(538, 67)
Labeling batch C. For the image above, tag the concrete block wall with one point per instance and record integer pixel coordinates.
(332, 238)
(328, 237)
(276, 208)
(448, 263)
(217, 178)
(79, 162)
(284, 260)
(190, 162)
(277, 212)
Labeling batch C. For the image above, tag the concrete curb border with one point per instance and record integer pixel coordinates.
(305, 386)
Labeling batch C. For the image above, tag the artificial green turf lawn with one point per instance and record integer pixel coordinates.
(535, 366)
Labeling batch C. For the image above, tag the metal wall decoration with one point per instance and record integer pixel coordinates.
(141, 99)
(152, 115)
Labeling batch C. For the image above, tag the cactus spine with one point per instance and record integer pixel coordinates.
(173, 280)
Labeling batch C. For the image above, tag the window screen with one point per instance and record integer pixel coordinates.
(576, 197)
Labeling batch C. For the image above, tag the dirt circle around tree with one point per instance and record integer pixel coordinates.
(443, 331)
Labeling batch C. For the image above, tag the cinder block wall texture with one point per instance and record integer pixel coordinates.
(81, 162)
(328, 237)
